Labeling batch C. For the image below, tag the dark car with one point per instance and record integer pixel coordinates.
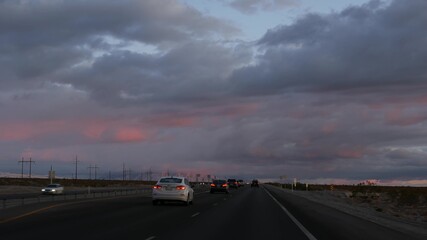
(233, 183)
(241, 183)
(255, 183)
(219, 185)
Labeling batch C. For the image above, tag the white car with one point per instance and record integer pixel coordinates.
(54, 188)
(173, 189)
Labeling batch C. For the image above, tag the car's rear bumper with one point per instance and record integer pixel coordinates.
(170, 197)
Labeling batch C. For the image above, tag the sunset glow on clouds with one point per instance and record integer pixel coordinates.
(331, 92)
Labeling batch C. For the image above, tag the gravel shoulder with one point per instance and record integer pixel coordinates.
(342, 201)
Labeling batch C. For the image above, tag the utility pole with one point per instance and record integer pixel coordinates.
(95, 170)
(51, 174)
(90, 171)
(75, 175)
(30, 166)
(22, 167)
(124, 171)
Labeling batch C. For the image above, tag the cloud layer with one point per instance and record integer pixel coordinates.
(160, 84)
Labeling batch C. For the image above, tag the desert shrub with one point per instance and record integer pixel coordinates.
(408, 197)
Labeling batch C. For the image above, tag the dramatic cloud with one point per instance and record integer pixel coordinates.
(368, 46)
(161, 85)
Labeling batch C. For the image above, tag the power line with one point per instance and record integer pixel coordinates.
(22, 166)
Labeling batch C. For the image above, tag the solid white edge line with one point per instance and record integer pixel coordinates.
(151, 238)
(301, 227)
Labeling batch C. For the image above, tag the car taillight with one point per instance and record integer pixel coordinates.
(212, 185)
(224, 185)
(180, 187)
(157, 187)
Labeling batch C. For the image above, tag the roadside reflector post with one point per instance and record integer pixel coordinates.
(306, 186)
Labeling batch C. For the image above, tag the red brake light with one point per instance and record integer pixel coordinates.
(180, 187)
(212, 185)
(224, 185)
(157, 187)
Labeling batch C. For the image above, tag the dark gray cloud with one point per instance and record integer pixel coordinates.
(40, 38)
(361, 46)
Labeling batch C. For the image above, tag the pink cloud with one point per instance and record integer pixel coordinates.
(397, 116)
(171, 121)
(130, 135)
(26, 130)
(98, 130)
(329, 128)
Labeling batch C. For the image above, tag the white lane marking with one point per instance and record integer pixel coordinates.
(301, 227)
(151, 238)
(197, 213)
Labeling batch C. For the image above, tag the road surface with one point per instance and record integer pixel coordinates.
(247, 213)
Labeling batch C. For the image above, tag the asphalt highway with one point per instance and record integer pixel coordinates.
(247, 213)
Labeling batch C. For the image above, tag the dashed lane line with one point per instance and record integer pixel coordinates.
(196, 214)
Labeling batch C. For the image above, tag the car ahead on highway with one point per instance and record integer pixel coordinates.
(232, 183)
(219, 185)
(54, 188)
(255, 183)
(170, 188)
(241, 183)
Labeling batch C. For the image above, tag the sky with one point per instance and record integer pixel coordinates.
(322, 91)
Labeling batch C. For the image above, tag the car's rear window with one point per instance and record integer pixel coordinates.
(53, 185)
(171, 180)
(231, 180)
(219, 181)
